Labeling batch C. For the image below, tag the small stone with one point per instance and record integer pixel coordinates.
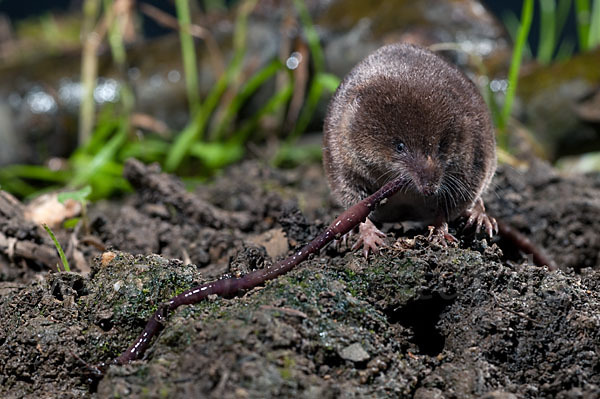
(355, 353)
(107, 257)
(499, 395)
(428, 393)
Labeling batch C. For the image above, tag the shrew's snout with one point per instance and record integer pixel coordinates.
(426, 175)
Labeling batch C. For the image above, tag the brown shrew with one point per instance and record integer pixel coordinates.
(404, 112)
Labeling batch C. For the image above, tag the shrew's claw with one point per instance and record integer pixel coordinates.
(440, 235)
(477, 217)
(370, 237)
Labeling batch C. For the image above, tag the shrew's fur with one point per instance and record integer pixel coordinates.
(405, 112)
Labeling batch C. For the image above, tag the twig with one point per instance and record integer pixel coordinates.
(42, 253)
(148, 179)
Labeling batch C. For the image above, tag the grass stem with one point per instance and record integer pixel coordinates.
(89, 69)
(582, 16)
(547, 31)
(61, 253)
(188, 53)
(515, 65)
(594, 34)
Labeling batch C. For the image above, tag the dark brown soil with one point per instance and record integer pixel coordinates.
(418, 320)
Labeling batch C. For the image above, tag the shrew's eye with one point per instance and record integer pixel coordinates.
(400, 147)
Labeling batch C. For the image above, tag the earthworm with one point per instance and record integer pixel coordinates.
(227, 287)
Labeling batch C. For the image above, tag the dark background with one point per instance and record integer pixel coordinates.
(16, 10)
(501, 7)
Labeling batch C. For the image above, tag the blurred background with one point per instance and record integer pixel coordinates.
(199, 84)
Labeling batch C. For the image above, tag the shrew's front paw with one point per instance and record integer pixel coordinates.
(370, 237)
(478, 217)
(440, 235)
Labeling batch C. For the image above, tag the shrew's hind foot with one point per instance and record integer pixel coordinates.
(477, 216)
(440, 235)
(370, 237)
(343, 243)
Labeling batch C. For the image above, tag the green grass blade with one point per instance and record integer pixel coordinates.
(193, 130)
(214, 5)
(279, 99)
(188, 53)
(146, 150)
(594, 34)
(14, 179)
(51, 30)
(312, 99)
(321, 82)
(567, 47)
(79, 195)
(106, 126)
(582, 16)
(16, 186)
(234, 69)
(312, 37)
(512, 23)
(249, 88)
(34, 172)
(294, 155)
(217, 155)
(117, 49)
(547, 31)
(185, 139)
(61, 253)
(329, 81)
(490, 99)
(563, 9)
(107, 154)
(515, 65)
(89, 69)
(108, 181)
(239, 38)
(115, 36)
(565, 50)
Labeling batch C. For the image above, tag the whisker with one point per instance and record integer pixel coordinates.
(460, 186)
